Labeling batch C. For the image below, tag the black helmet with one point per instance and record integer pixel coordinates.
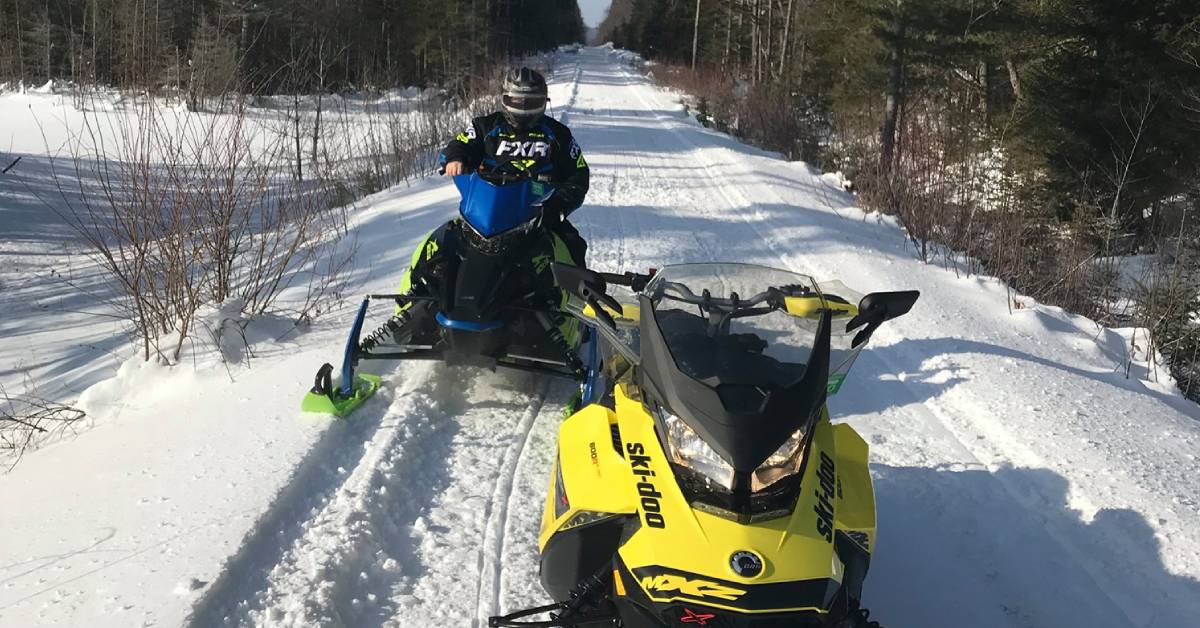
(524, 97)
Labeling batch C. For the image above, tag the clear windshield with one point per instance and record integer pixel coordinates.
(740, 323)
(769, 346)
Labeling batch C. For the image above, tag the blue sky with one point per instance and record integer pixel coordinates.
(593, 11)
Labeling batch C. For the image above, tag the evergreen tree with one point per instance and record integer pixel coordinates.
(278, 44)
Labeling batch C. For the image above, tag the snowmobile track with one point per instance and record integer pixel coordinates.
(495, 531)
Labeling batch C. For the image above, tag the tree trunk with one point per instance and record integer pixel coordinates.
(695, 34)
(1014, 78)
(243, 33)
(741, 28)
(728, 33)
(769, 39)
(299, 152)
(783, 42)
(49, 40)
(985, 80)
(895, 91)
(20, 45)
(95, 29)
(322, 64)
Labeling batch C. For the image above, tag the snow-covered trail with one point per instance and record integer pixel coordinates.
(1020, 480)
(414, 531)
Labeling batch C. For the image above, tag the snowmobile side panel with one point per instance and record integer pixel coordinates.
(424, 251)
(856, 494)
(594, 477)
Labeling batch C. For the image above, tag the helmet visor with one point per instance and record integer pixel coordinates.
(524, 103)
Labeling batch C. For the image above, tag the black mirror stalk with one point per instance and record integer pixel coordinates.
(877, 308)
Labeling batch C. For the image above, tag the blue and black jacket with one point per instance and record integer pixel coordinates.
(548, 149)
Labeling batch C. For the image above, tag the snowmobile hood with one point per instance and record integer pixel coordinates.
(493, 209)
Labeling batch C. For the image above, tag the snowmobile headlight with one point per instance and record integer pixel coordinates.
(687, 449)
(781, 464)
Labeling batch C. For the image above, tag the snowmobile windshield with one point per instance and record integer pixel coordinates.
(750, 355)
(494, 209)
(743, 324)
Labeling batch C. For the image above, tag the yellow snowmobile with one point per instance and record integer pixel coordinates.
(705, 484)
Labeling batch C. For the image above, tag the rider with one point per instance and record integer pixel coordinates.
(520, 140)
(524, 138)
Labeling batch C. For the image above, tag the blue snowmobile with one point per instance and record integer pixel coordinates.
(479, 291)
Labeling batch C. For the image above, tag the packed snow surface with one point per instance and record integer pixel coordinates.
(1023, 478)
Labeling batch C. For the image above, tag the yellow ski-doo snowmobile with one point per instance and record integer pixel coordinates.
(706, 485)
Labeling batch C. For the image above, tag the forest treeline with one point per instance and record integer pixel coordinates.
(1042, 141)
(208, 47)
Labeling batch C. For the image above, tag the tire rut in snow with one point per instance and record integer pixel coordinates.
(358, 550)
(458, 534)
(491, 557)
(313, 484)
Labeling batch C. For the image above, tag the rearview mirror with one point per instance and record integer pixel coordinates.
(589, 286)
(877, 308)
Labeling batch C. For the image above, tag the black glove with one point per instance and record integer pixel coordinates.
(552, 212)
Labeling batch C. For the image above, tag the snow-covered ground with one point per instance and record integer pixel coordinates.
(59, 334)
(1022, 479)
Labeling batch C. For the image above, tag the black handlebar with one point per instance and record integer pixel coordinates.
(635, 281)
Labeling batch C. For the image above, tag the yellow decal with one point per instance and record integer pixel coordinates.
(667, 583)
(628, 317)
(812, 306)
(462, 137)
(618, 583)
(580, 163)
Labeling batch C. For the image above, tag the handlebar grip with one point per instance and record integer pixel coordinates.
(636, 281)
